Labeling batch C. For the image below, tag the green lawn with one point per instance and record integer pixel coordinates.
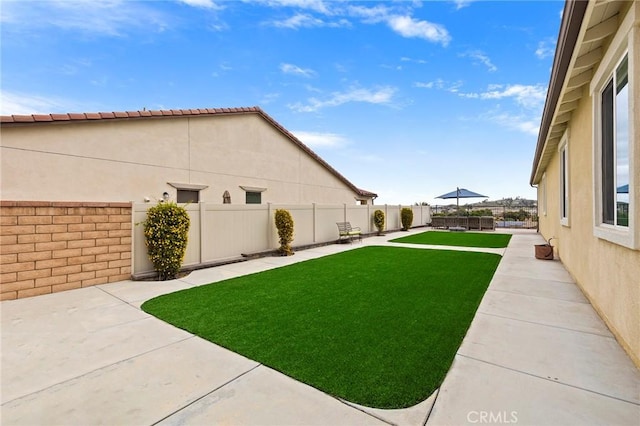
(378, 326)
(462, 239)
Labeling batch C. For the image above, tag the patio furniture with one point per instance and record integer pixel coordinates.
(347, 232)
(467, 222)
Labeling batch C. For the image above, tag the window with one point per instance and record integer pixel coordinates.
(188, 192)
(615, 147)
(188, 196)
(615, 95)
(564, 179)
(253, 197)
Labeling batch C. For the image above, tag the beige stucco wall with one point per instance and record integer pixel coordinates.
(607, 273)
(128, 160)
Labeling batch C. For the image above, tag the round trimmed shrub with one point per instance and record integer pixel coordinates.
(284, 224)
(378, 220)
(166, 233)
(406, 217)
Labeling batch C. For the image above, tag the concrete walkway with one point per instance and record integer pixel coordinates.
(536, 353)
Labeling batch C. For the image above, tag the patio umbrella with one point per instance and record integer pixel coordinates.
(461, 193)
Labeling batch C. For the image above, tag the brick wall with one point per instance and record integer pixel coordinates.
(48, 247)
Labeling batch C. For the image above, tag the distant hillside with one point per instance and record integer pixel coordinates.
(506, 202)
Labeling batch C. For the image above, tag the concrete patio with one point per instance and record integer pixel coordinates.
(536, 354)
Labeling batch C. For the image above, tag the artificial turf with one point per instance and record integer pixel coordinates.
(460, 239)
(378, 326)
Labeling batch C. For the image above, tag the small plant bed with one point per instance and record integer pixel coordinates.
(378, 326)
(458, 239)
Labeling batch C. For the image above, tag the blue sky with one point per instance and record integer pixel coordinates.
(408, 99)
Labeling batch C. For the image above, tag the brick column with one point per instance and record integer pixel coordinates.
(48, 247)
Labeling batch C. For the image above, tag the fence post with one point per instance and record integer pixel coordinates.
(202, 230)
(269, 224)
(133, 237)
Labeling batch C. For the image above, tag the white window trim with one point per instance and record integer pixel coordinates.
(188, 186)
(626, 40)
(252, 189)
(564, 146)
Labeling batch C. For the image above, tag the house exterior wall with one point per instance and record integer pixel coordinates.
(128, 160)
(606, 272)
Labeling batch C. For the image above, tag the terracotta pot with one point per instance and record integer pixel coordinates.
(544, 251)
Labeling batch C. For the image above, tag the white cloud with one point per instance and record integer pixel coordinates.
(416, 61)
(269, 98)
(527, 96)
(315, 5)
(462, 3)
(341, 68)
(205, 4)
(303, 20)
(13, 103)
(106, 17)
(546, 48)
(408, 27)
(516, 122)
(421, 85)
(321, 140)
(299, 20)
(296, 70)
(370, 15)
(452, 87)
(383, 95)
(392, 67)
(397, 18)
(482, 58)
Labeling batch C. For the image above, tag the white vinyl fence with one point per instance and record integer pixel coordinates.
(221, 232)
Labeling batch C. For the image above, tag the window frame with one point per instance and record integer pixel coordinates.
(252, 189)
(543, 195)
(622, 44)
(180, 192)
(188, 187)
(564, 180)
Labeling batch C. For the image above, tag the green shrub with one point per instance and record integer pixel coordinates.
(378, 220)
(166, 232)
(406, 217)
(284, 224)
(481, 212)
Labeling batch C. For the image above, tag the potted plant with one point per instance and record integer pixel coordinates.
(544, 251)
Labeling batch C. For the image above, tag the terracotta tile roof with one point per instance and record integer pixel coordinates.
(41, 119)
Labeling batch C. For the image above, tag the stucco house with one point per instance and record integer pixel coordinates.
(587, 160)
(74, 186)
(228, 155)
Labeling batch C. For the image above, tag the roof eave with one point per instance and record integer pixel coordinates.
(572, 19)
